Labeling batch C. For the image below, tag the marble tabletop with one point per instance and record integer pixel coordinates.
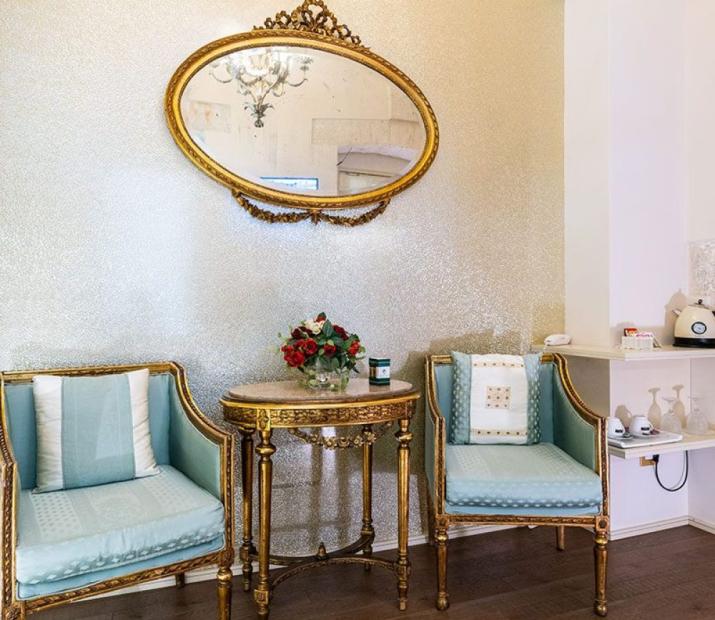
(358, 389)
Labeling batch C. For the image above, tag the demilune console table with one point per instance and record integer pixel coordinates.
(261, 408)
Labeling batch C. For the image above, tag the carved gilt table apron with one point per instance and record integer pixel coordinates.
(261, 408)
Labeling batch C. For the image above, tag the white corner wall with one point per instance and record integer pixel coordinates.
(586, 176)
(626, 218)
(700, 118)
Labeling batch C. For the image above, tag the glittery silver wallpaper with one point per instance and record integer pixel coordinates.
(115, 248)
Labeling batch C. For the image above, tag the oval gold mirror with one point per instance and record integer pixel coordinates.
(299, 114)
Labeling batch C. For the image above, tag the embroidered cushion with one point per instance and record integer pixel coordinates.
(519, 477)
(495, 399)
(72, 533)
(92, 430)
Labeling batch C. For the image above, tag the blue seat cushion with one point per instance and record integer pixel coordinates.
(508, 478)
(70, 533)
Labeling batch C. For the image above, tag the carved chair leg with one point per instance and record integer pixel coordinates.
(180, 580)
(224, 592)
(441, 540)
(601, 557)
(561, 537)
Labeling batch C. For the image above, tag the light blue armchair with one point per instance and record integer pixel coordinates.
(66, 545)
(561, 481)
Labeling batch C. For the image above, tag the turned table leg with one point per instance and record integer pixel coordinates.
(403, 503)
(247, 505)
(262, 593)
(367, 528)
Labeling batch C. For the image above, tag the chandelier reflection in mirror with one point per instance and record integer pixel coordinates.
(262, 73)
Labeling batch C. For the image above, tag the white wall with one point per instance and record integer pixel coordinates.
(700, 118)
(586, 176)
(625, 158)
(117, 249)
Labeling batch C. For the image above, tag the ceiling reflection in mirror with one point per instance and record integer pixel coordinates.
(303, 121)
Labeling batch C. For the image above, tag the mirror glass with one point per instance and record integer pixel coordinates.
(303, 121)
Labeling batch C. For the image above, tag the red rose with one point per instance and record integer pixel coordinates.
(297, 333)
(294, 359)
(309, 346)
(329, 350)
(354, 348)
(286, 348)
(340, 332)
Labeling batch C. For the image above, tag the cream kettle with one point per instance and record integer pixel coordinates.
(695, 326)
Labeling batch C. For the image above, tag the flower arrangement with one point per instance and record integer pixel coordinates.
(318, 346)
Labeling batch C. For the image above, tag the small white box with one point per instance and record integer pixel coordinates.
(639, 343)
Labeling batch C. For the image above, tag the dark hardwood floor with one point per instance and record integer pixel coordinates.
(512, 574)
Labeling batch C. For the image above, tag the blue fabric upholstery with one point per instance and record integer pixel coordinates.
(25, 591)
(20, 409)
(453, 509)
(96, 442)
(443, 377)
(83, 532)
(546, 405)
(430, 432)
(508, 477)
(571, 432)
(193, 454)
(572, 442)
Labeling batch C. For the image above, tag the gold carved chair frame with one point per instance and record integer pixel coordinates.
(440, 520)
(14, 609)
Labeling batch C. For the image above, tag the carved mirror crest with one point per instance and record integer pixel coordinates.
(299, 114)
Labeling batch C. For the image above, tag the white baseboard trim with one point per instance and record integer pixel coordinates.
(664, 524)
(701, 524)
(648, 528)
(209, 573)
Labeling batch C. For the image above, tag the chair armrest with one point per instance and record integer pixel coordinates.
(435, 439)
(8, 500)
(578, 431)
(198, 448)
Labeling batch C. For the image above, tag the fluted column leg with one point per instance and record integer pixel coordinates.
(403, 503)
(441, 540)
(247, 506)
(265, 451)
(600, 551)
(225, 577)
(367, 527)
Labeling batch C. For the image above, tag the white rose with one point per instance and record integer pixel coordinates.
(314, 326)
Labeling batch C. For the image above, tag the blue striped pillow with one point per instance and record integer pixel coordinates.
(92, 430)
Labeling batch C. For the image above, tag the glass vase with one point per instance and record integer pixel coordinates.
(321, 377)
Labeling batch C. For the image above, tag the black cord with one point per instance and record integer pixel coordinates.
(686, 469)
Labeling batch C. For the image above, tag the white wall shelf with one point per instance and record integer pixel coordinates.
(627, 355)
(689, 443)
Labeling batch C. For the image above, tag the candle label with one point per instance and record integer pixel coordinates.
(379, 371)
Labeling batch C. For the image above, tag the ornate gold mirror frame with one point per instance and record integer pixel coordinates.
(311, 25)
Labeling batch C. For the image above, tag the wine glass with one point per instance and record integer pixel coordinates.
(655, 413)
(679, 405)
(671, 422)
(697, 423)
